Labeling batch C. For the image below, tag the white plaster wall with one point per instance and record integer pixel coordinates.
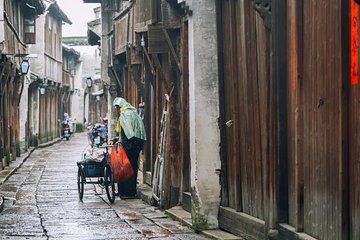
(34, 114)
(77, 101)
(2, 31)
(204, 112)
(90, 58)
(37, 65)
(23, 113)
(90, 65)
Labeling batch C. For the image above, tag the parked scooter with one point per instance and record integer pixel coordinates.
(97, 134)
(66, 130)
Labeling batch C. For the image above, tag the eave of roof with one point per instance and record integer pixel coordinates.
(56, 10)
(92, 1)
(37, 4)
(71, 51)
(93, 38)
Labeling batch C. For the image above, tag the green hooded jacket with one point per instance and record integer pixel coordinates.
(130, 121)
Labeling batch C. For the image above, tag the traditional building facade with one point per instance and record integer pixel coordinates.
(251, 106)
(71, 62)
(17, 30)
(45, 91)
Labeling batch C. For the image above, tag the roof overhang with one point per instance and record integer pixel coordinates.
(92, 1)
(71, 51)
(56, 10)
(35, 6)
(94, 32)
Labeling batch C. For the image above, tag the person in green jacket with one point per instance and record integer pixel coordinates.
(131, 131)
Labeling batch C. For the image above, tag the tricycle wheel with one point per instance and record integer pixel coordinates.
(109, 183)
(80, 183)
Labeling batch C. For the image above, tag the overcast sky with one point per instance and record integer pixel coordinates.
(79, 13)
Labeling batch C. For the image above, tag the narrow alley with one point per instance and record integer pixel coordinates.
(246, 114)
(41, 202)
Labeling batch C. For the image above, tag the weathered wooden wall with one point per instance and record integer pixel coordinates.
(318, 118)
(249, 106)
(321, 123)
(354, 121)
(11, 82)
(145, 13)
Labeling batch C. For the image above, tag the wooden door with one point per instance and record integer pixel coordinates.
(318, 118)
(248, 105)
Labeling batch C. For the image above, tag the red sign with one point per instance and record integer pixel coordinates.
(354, 44)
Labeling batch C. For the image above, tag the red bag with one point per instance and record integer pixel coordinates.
(120, 164)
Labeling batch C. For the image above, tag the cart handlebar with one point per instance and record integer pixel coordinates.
(109, 145)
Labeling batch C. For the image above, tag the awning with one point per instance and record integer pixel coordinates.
(98, 93)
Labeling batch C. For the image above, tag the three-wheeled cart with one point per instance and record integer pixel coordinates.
(95, 168)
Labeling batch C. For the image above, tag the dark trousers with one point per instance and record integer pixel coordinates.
(128, 188)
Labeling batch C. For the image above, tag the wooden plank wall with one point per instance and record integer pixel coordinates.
(317, 119)
(295, 124)
(232, 197)
(121, 34)
(250, 102)
(145, 12)
(185, 122)
(354, 130)
(11, 83)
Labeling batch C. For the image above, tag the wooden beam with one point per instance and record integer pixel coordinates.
(149, 60)
(117, 77)
(158, 65)
(137, 79)
(172, 49)
(149, 75)
(241, 224)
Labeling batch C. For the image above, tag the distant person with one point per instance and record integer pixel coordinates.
(131, 132)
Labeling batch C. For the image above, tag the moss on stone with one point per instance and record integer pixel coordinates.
(7, 156)
(34, 141)
(199, 222)
(13, 153)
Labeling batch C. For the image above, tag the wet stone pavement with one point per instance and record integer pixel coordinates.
(41, 202)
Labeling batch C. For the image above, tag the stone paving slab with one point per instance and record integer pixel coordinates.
(191, 236)
(129, 215)
(221, 235)
(180, 214)
(23, 238)
(151, 231)
(21, 210)
(155, 215)
(140, 221)
(96, 237)
(173, 226)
